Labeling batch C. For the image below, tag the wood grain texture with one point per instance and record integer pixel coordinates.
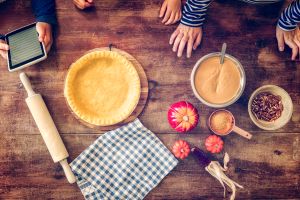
(143, 96)
(268, 166)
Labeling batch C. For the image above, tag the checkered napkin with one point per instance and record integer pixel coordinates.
(126, 163)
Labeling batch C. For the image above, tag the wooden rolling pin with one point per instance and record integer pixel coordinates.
(47, 128)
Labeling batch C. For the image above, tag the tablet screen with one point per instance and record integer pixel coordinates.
(24, 46)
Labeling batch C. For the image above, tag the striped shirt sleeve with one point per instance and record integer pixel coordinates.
(194, 12)
(290, 17)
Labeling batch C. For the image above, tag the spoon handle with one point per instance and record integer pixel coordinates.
(242, 132)
(223, 51)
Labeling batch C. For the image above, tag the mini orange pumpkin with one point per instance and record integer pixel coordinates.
(214, 144)
(183, 116)
(181, 149)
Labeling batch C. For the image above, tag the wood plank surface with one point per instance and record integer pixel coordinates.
(268, 166)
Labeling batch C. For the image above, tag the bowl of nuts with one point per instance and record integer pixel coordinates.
(270, 107)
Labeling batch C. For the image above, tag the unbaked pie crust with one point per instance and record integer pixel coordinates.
(102, 88)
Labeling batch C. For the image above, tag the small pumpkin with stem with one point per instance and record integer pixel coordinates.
(181, 149)
(183, 116)
(214, 144)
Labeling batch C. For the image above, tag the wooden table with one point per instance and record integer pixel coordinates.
(268, 166)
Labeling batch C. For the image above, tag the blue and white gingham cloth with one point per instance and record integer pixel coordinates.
(126, 163)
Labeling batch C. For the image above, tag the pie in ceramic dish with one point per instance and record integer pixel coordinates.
(102, 88)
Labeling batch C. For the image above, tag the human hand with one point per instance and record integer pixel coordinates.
(3, 49)
(83, 4)
(185, 35)
(290, 38)
(45, 34)
(171, 11)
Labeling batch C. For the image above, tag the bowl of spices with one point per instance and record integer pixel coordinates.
(270, 107)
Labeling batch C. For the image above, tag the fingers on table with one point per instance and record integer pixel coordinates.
(175, 17)
(193, 42)
(177, 41)
(197, 41)
(182, 44)
(167, 16)
(297, 42)
(88, 4)
(82, 4)
(290, 42)
(171, 19)
(280, 40)
(78, 4)
(173, 36)
(163, 9)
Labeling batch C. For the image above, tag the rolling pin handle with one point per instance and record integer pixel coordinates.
(27, 85)
(68, 172)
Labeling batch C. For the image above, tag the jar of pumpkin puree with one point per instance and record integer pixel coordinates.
(218, 85)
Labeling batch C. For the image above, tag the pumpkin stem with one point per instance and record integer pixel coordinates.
(185, 118)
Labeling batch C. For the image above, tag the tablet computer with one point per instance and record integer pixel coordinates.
(25, 49)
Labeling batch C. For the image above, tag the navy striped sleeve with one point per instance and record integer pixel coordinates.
(194, 12)
(44, 11)
(290, 17)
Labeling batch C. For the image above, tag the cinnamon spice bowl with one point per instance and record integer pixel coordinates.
(285, 115)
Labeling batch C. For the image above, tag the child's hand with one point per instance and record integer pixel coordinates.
(185, 35)
(3, 49)
(290, 38)
(171, 10)
(45, 34)
(83, 4)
